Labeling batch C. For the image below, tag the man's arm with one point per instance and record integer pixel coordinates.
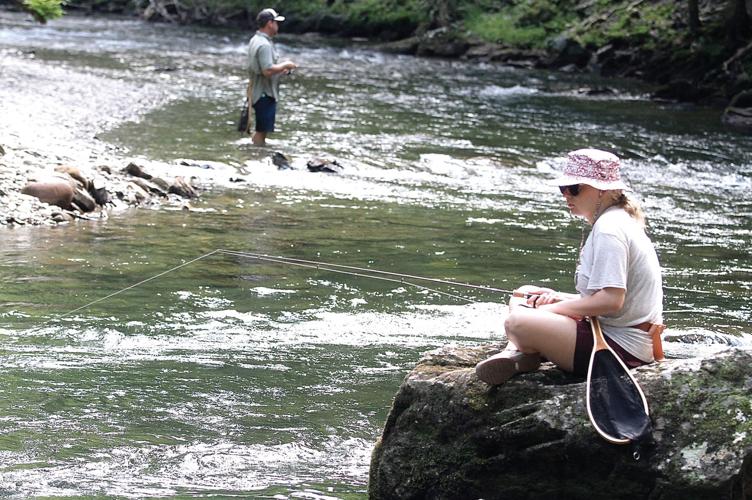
(283, 67)
(266, 63)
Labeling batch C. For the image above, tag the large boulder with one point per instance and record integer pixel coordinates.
(451, 436)
(738, 114)
(442, 42)
(566, 51)
(683, 90)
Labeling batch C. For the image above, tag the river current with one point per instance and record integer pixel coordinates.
(234, 377)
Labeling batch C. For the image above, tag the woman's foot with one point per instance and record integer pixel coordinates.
(501, 367)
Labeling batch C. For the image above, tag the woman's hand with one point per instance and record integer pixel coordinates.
(543, 296)
(536, 296)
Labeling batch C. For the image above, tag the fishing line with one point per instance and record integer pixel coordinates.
(317, 264)
(311, 264)
(361, 272)
(125, 289)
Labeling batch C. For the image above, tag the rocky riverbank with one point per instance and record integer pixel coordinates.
(36, 190)
(54, 169)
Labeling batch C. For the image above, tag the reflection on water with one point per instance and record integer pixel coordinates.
(236, 377)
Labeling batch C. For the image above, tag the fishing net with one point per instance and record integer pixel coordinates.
(616, 404)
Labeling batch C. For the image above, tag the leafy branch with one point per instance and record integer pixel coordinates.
(43, 10)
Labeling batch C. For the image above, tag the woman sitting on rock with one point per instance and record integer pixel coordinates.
(618, 278)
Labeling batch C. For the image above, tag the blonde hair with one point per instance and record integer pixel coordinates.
(629, 205)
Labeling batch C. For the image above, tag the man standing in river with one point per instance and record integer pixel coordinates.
(264, 72)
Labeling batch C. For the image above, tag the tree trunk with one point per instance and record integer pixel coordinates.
(738, 21)
(694, 17)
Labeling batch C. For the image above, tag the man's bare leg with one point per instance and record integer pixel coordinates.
(259, 138)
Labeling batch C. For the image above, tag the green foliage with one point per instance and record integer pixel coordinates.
(382, 12)
(44, 10)
(286, 8)
(500, 28)
(646, 25)
(523, 24)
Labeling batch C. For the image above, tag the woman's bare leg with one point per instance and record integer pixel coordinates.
(552, 335)
(530, 333)
(516, 301)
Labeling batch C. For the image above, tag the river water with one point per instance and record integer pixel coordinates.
(234, 377)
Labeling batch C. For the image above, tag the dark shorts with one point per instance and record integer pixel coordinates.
(584, 347)
(266, 112)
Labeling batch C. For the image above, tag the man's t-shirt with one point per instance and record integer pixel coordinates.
(618, 254)
(262, 55)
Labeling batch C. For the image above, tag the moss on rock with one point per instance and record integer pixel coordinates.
(452, 436)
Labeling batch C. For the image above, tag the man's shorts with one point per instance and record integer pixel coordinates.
(584, 346)
(266, 111)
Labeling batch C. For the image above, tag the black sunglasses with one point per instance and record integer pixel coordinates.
(574, 189)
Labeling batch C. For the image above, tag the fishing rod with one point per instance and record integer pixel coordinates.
(331, 268)
(344, 269)
(363, 272)
(311, 264)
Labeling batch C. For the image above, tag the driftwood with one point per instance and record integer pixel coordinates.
(737, 56)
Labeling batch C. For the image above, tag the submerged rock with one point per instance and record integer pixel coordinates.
(738, 114)
(182, 188)
(324, 165)
(451, 436)
(682, 90)
(596, 91)
(281, 161)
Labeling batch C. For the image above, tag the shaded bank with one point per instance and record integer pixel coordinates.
(701, 55)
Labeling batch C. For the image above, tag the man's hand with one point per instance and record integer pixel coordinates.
(283, 67)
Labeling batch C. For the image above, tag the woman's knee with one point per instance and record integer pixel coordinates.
(511, 324)
(516, 326)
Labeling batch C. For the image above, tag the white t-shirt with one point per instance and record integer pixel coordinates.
(618, 254)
